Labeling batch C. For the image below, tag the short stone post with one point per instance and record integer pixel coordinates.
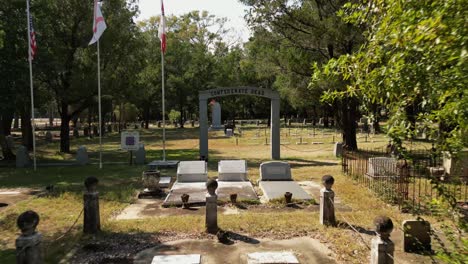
(211, 221)
(28, 244)
(91, 221)
(382, 247)
(327, 201)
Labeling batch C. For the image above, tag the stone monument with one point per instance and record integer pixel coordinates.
(327, 201)
(91, 220)
(22, 157)
(216, 116)
(82, 156)
(28, 244)
(140, 155)
(211, 221)
(382, 247)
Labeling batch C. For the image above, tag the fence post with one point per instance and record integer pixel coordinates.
(382, 247)
(28, 244)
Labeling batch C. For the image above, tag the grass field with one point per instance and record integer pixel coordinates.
(119, 183)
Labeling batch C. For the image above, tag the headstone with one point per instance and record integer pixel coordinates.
(10, 143)
(289, 122)
(216, 115)
(76, 133)
(211, 219)
(48, 137)
(82, 156)
(232, 170)
(192, 171)
(177, 259)
(22, 157)
(304, 122)
(382, 167)
(416, 236)
(229, 132)
(382, 247)
(338, 150)
(28, 244)
(275, 171)
(151, 180)
(456, 166)
(91, 220)
(140, 155)
(320, 121)
(327, 201)
(272, 257)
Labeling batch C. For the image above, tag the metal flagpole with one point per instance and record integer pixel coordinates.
(31, 85)
(99, 105)
(163, 107)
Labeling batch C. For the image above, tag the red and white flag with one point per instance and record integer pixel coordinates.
(32, 35)
(98, 24)
(162, 29)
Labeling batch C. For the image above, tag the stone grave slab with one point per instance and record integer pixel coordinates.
(177, 259)
(244, 190)
(276, 189)
(196, 190)
(192, 171)
(285, 257)
(416, 236)
(275, 171)
(232, 170)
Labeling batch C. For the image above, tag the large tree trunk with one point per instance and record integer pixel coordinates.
(349, 116)
(26, 130)
(5, 128)
(64, 129)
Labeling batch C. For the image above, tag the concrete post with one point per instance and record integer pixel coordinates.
(327, 200)
(275, 129)
(28, 244)
(382, 247)
(203, 105)
(211, 220)
(91, 221)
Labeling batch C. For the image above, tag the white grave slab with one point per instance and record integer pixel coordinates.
(192, 171)
(276, 189)
(271, 257)
(232, 170)
(177, 259)
(275, 171)
(382, 167)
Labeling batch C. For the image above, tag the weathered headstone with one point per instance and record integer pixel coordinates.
(28, 244)
(82, 156)
(382, 247)
(22, 157)
(304, 122)
(151, 180)
(338, 150)
(140, 155)
(48, 137)
(232, 170)
(275, 171)
(229, 132)
(192, 171)
(416, 236)
(91, 220)
(382, 166)
(216, 115)
(327, 201)
(211, 219)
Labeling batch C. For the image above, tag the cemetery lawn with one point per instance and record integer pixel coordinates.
(60, 207)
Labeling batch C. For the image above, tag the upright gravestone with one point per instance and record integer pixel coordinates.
(417, 236)
(48, 137)
(140, 155)
(211, 220)
(22, 157)
(10, 142)
(327, 200)
(382, 248)
(216, 116)
(28, 244)
(91, 220)
(82, 156)
(338, 150)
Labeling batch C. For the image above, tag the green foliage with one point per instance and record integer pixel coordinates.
(174, 115)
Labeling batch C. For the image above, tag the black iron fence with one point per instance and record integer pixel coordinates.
(411, 183)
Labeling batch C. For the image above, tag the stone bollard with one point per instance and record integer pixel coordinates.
(48, 137)
(28, 244)
(382, 247)
(211, 221)
(82, 156)
(22, 157)
(327, 200)
(140, 155)
(91, 220)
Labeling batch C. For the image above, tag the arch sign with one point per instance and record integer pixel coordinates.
(203, 97)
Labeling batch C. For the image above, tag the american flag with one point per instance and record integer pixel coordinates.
(162, 29)
(32, 36)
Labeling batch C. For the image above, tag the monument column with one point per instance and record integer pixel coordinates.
(275, 129)
(203, 105)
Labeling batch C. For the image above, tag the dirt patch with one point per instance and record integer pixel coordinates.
(11, 196)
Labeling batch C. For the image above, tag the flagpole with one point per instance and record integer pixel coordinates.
(163, 107)
(99, 105)
(31, 85)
